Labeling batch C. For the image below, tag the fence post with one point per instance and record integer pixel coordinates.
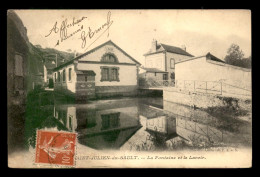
(194, 86)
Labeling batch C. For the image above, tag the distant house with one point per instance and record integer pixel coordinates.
(161, 59)
(106, 70)
(48, 70)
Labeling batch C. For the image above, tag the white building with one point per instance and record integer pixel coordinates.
(210, 68)
(160, 60)
(209, 74)
(103, 71)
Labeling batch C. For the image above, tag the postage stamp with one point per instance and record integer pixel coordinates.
(55, 147)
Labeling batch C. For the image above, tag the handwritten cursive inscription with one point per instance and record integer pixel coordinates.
(91, 33)
(77, 26)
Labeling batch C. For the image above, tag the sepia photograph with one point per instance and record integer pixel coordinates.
(129, 88)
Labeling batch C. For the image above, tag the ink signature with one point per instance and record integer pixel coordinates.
(89, 33)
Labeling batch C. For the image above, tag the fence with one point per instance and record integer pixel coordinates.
(213, 87)
(205, 130)
(151, 83)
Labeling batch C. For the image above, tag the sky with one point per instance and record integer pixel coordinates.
(201, 31)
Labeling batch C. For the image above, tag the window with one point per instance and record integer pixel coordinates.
(70, 74)
(172, 63)
(64, 75)
(58, 76)
(114, 74)
(109, 57)
(110, 121)
(105, 74)
(109, 73)
(18, 65)
(55, 77)
(165, 76)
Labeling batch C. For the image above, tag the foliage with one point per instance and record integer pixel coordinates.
(235, 56)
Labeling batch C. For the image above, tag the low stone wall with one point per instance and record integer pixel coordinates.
(202, 100)
(129, 90)
(97, 91)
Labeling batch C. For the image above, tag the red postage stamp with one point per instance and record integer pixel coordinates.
(55, 147)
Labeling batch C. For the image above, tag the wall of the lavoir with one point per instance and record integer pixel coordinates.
(202, 100)
(202, 69)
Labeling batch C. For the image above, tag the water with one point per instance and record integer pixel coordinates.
(138, 124)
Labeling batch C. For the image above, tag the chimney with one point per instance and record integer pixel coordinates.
(154, 45)
(183, 47)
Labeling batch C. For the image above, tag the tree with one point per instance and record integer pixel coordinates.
(234, 55)
(247, 62)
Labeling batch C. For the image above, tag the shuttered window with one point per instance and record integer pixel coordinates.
(64, 75)
(58, 76)
(55, 77)
(69, 74)
(109, 73)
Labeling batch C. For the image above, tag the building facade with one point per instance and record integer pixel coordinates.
(106, 70)
(161, 60)
(210, 68)
(17, 53)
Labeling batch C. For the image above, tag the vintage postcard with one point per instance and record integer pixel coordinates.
(129, 88)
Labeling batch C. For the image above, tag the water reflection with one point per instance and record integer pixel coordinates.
(104, 127)
(140, 124)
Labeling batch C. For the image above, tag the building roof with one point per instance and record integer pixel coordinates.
(93, 50)
(168, 48)
(212, 57)
(208, 56)
(154, 70)
(176, 50)
(88, 72)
